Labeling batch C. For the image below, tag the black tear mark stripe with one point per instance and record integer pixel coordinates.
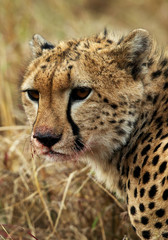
(75, 129)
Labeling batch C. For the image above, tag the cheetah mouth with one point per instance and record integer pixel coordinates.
(60, 157)
(55, 153)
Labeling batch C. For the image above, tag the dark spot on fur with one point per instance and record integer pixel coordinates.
(158, 225)
(48, 59)
(133, 210)
(142, 192)
(141, 207)
(146, 234)
(155, 176)
(160, 212)
(145, 150)
(145, 160)
(70, 67)
(129, 124)
(106, 113)
(131, 151)
(165, 86)
(152, 192)
(166, 73)
(162, 167)
(155, 160)
(131, 113)
(146, 137)
(165, 147)
(165, 235)
(127, 199)
(150, 62)
(165, 194)
(150, 140)
(135, 192)
(142, 116)
(163, 181)
(144, 220)
(136, 172)
(114, 106)
(135, 158)
(146, 177)
(69, 76)
(43, 66)
(159, 133)
(164, 63)
(122, 121)
(151, 205)
(112, 121)
(143, 125)
(153, 116)
(134, 228)
(105, 100)
(149, 97)
(164, 136)
(157, 147)
(129, 184)
(155, 99)
(156, 74)
(158, 120)
(120, 131)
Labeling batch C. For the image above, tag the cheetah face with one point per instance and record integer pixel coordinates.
(81, 100)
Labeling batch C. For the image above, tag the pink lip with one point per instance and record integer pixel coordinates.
(55, 153)
(60, 156)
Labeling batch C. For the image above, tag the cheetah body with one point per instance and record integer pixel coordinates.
(105, 101)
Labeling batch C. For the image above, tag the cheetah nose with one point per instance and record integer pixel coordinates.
(47, 139)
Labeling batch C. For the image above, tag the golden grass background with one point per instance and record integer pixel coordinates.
(57, 201)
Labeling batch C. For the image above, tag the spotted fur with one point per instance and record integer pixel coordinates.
(119, 127)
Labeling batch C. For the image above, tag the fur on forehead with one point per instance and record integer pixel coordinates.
(134, 47)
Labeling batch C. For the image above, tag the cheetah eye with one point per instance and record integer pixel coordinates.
(80, 93)
(33, 95)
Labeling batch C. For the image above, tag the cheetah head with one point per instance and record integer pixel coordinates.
(83, 97)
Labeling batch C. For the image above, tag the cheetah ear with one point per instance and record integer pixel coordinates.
(135, 50)
(38, 44)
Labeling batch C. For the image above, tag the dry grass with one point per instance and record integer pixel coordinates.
(53, 201)
(56, 200)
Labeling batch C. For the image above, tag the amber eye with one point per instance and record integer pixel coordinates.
(33, 95)
(80, 93)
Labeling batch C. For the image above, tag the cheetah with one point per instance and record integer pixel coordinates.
(104, 100)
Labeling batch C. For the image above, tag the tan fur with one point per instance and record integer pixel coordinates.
(117, 126)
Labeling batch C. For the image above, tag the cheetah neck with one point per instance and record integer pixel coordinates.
(114, 174)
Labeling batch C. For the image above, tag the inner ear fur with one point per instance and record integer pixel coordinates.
(134, 51)
(38, 44)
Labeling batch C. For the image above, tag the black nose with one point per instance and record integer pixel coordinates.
(47, 139)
